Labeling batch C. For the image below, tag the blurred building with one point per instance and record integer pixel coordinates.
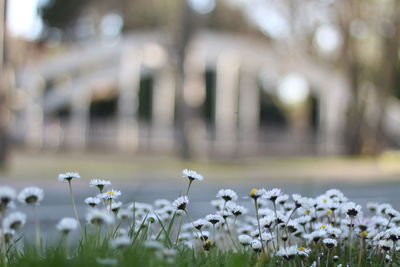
(248, 98)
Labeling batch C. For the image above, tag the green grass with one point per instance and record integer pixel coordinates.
(91, 252)
(95, 245)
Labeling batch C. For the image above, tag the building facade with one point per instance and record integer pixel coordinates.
(248, 98)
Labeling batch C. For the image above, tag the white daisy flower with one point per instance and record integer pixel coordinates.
(333, 232)
(168, 255)
(225, 214)
(204, 235)
(329, 242)
(161, 203)
(68, 176)
(167, 211)
(97, 216)
(111, 194)
(14, 220)
(323, 201)
(289, 206)
(315, 235)
(392, 233)
(192, 175)
(153, 244)
(236, 210)
(120, 242)
(92, 201)
(122, 232)
(7, 194)
(66, 225)
(124, 214)
(244, 230)
(265, 211)
(8, 235)
(372, 206)
(256, 245)
(218, 204)
(293, 226)
(227, 195)
(351, 209)
(334, 194)
(267, 221)
(303, 252)
(31, 196)
(382, 208)
(256, 193)
(287, 253)
(300, 201)
(303, 220)
(185, 236)
(140, 207)
(388, 258)
(266, 237)
(214, 219)
(272, 194)
(99, 183)
(245, 240)
(180, 203)
(282, 199)
(392, 213)
(281, 218)
(255, 233)
(199, 224)
(115, 206)
(386, 244)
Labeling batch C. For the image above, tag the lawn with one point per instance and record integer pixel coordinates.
(263, 227)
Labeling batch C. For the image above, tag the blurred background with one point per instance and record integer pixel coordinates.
(202, 78)
(301, 94)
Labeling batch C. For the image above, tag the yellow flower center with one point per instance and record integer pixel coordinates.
(324, 200)
(364, 234)
(307, 211)
(323, 226)
(110, 193)
(253, 192)
(302, 248)
(329, 212)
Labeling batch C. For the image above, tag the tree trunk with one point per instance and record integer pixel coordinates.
(4, 82)
(387, 79)
(185, 29)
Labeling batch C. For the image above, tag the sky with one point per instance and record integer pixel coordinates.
(22, 18)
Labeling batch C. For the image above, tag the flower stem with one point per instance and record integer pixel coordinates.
(179, 230)
(350, 240)
(328, 258)
(192, 222)
(74, 205)
(259, 226)
(3, 258)
(276, 226)
(37, 230)
(288, 220)
(187, 190)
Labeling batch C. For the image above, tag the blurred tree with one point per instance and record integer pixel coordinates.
(366, 54)
(378, 68)
(179, 21)
(5, 72)
(61, 14)
(366, 51)
(176, 19)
